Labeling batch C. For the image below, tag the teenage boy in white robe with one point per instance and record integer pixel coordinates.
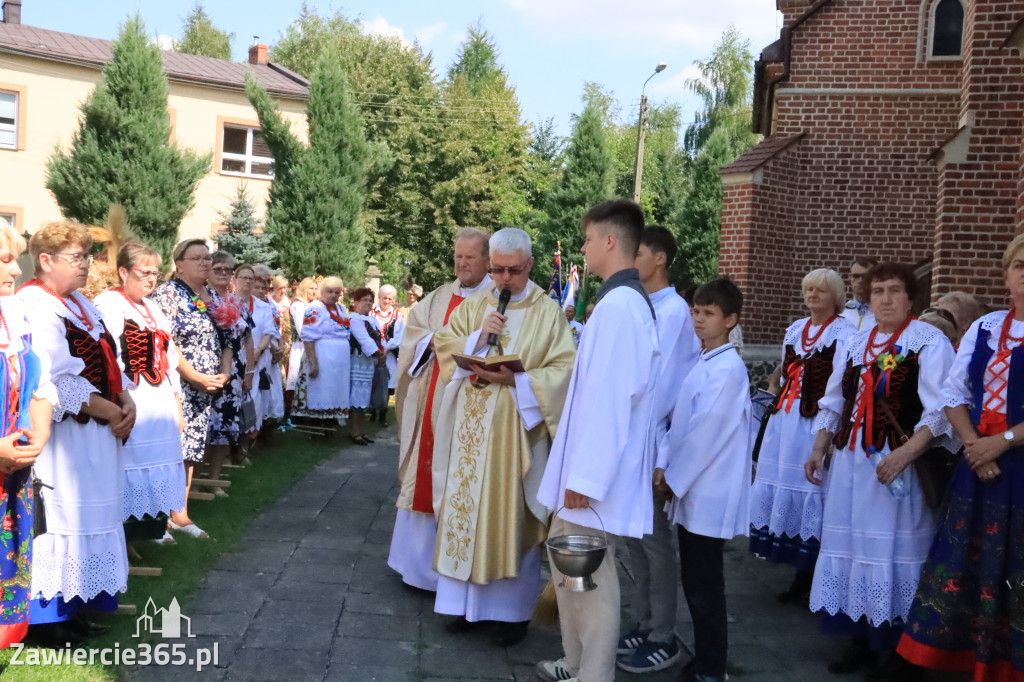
(708, 472)
(651, 645)
(602, 459)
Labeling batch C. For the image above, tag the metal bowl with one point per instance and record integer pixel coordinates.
(577, 556)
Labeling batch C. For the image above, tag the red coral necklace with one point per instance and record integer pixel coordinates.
(808, 342)
(1004, 334)
(80, 313)
(147, 317)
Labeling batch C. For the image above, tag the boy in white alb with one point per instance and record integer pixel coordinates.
(650, 645)
(602, 458)
(707, 467)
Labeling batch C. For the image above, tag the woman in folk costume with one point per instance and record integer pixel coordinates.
(256, 311)
(367, 353)
(231, 315)
(154, 470)
(876, 527)
(785, 509)
(322, 389)
(269, 351)
(967, 613)
(28, 397)
(204, 362)
(306, 293)
(392, 327)
(82, 555)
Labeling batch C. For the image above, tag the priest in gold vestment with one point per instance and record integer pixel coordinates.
(491, 444)
(417, 401)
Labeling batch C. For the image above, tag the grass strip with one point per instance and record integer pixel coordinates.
(276, 468)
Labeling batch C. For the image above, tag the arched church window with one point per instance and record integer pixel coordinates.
(947, 29)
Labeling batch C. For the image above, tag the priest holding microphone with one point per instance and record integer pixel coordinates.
(492, 439)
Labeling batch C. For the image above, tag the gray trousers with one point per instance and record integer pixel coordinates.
(589, 620)
(655, 567)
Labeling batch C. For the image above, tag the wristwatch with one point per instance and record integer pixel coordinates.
(1009, 437)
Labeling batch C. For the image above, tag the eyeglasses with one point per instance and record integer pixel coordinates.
(199, 259)
(75, 259)
(943, 313)
(223, 271)
(514, 272)
(146, 274)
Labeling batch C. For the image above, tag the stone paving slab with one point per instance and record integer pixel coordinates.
(308, 596)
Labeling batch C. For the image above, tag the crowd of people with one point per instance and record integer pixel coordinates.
(885, 470)
(116, 400)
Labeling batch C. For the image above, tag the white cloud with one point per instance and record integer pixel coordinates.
(650, 25)
(164, 41)
(427, 34)
(379, 26)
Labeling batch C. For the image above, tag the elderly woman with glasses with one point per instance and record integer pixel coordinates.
(204, 362)
(154, 469)
(82, 555)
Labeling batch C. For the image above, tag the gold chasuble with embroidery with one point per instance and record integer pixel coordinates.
(487, 464)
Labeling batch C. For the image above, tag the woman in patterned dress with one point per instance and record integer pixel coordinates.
(154, 469)
(969, 611)
(203, 361)
(232, 318)
(876, 527)
(305, 293)
(785, 509)
(27, 397)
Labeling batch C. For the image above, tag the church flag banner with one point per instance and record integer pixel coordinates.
(555, 288)
(572, 285)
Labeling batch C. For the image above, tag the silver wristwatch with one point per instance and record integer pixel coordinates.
(1009, 437)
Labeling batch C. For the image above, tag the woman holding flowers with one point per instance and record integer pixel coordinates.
(967, 613)
(881, 410)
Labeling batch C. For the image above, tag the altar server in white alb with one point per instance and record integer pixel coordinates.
(602, 459)
(651, 644)
(708, 471)
(418, 391)
(154, 469)
(81, 555)
(494, 431)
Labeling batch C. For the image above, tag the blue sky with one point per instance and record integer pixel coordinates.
(548, 47)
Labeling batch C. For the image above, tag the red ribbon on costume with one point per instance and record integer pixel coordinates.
(791, 391)
(110, 360)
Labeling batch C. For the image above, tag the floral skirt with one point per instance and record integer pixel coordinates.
(16, 560)
(968, 614)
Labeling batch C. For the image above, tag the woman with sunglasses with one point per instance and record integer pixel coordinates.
(154, 469)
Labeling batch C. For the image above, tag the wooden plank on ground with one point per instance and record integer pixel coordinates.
(211, 483)
(197, 495)
(145, 571)
(126, 610)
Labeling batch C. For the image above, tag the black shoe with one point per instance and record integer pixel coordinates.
(896, 669)
(856, 656)
(509, 634)
(799, 591)
(460, 624)
(52, 636)
(85, 628)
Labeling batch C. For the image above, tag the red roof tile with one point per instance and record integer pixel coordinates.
(94, 52)
(756, 157)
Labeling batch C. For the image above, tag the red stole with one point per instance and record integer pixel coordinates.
(423, 494)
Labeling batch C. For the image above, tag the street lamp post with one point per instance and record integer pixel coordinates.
(641, 129)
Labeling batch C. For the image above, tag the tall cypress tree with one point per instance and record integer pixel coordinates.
(121, 151)
(317, 196)
(586, 180)
(239, 236)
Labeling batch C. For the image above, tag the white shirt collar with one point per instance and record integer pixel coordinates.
(466, 292)
(521, 296)
(707, 355)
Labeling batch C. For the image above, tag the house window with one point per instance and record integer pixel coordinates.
(947, 29)
(245, 152)
(8, 120)
(9, 219)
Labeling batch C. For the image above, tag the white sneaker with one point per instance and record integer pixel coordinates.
(556, 671)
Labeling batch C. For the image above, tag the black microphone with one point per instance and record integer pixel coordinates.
(503, 299)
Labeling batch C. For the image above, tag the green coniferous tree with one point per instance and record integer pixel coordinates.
(239, 236)
(318, 192)
(201, 37)
(586, 180)
(121, 153)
